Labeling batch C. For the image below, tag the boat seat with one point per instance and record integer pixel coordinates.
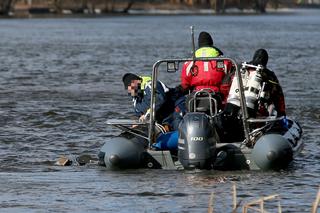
(205, 101)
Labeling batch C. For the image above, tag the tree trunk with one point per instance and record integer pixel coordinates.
(129, 5)
(6, 6)
(260, 5)
(58, 5)
(84, 5)
(109, 6)
(219, 6)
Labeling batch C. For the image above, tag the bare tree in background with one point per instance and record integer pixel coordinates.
(129, 5)
(110, 5)
(84, 5)
(6, 6)
(260, 5)
(79, 5)
(58, 5)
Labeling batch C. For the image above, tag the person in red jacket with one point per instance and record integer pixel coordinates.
(206, 74)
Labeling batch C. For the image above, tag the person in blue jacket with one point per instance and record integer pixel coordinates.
(170, 106)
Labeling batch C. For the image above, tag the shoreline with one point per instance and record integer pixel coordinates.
(165, 12)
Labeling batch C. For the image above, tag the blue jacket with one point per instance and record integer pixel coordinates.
(170, 104)
(141, 102)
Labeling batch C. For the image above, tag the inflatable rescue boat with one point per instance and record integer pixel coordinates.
(268, 143)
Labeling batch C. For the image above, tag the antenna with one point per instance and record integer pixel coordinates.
(194, 67)
(193, 45)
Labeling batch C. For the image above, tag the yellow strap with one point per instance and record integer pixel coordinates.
(148, 112)
(273, 82)
(207, 52)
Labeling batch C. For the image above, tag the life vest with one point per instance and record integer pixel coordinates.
(225, 83)
(209, 73)
(145, 81)
(207, 52)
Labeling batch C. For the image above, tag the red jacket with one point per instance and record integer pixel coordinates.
(210, 75)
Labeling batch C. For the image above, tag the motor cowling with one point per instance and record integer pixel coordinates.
(197, 141)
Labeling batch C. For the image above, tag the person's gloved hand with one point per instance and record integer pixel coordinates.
(145, 117)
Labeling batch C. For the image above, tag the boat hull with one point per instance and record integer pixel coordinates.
(272, 151)
(122, 152)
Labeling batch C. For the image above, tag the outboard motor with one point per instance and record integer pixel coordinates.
(197, 141)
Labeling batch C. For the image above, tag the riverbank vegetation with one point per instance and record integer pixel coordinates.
(258, 204)
(25, 8)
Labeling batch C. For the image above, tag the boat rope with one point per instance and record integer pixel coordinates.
(162, 129)
(134, 132)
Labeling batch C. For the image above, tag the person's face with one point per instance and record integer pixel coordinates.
(134, 88)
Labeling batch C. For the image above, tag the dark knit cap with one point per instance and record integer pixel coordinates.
(128, 78)
(205, 40)
(260, 57)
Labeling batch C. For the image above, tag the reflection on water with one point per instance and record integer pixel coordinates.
(61, 79)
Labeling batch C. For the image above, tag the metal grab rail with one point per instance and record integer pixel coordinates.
(154, 76)
(243, 106)
(210, 98)
(267, 119)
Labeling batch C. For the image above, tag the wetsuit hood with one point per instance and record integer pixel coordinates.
(260, 57)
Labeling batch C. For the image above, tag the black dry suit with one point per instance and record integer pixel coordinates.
(232, 128)
(274, 89)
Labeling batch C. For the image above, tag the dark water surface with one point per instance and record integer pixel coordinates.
(60, 79)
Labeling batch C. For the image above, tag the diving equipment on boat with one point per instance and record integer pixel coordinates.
(252, 83)
(253, 88)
